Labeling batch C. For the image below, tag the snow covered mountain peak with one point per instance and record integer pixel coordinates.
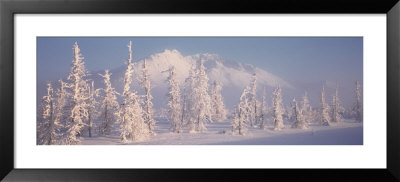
(166, 54)
(233, 76)
(227, 72)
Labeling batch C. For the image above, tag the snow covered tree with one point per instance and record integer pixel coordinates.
(126, 125)
(92, 112)
(291, 112)
(174, 102)
(202, 108)
(185, 109)
(47, 126)
(337, 109)
(324, 115)
(357, 108)
(263, 111)
(277, 108)
(253, 101)
(218, 106)
(241, 114)
(132, 125)
(298, 117)
(306, 109)
(79, 105)
(235, 119)
(148, 105)
(61, 111)
(109, 106)
(188, 116)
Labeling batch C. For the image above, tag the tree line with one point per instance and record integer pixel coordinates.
(250, 113)
(67, 113)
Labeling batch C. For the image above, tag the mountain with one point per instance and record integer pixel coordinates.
(234, 76)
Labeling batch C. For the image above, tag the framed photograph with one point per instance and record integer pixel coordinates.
(146, 91)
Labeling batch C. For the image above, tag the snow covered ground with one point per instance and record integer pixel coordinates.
(347, 132)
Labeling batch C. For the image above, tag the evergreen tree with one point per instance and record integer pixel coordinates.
(219, 111)
(357, 109)
(241, 114)
(202, 108)
(148, 105)
(337, 109)
(79, 105)
(92, 112)
(132, 125)
(125, 125)
(48, 125)
(253, 101)
(298, 115)
(188, 115)
(263, 111)
(61, 109)
(277, 108)
(306, 109)
(174, 102)
(109, 106)
(324, 115)
(235, 119)
(292, 112)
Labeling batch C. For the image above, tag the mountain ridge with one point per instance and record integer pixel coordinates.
(234, 76)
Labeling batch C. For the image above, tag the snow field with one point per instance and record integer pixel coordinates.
(348, 132)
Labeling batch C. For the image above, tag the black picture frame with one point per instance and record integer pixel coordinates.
(9, 8)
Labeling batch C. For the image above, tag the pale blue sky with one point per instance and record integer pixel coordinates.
(305, 62)
(296, 59)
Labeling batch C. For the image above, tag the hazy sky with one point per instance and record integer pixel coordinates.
(302, 61)
(291, 58)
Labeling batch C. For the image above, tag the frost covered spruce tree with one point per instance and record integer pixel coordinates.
(241, 114)
(291, 112)
(218, 106)
(48, 125)
(174, 102)
(357, 108)
(148, 105)
(61, 107)
(92, 112)
(202, 108)
(336, 107)
(298, 117)
(109, 106)
(253, 101)
(235, 119)
(188, 116)
(277, 108)
(306, 109)
(79, 106)
(263, 111)
(324, 115)
(132, 125)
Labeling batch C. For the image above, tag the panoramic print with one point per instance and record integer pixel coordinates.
(199, 91)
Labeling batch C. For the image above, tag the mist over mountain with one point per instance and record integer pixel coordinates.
(234, 76)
